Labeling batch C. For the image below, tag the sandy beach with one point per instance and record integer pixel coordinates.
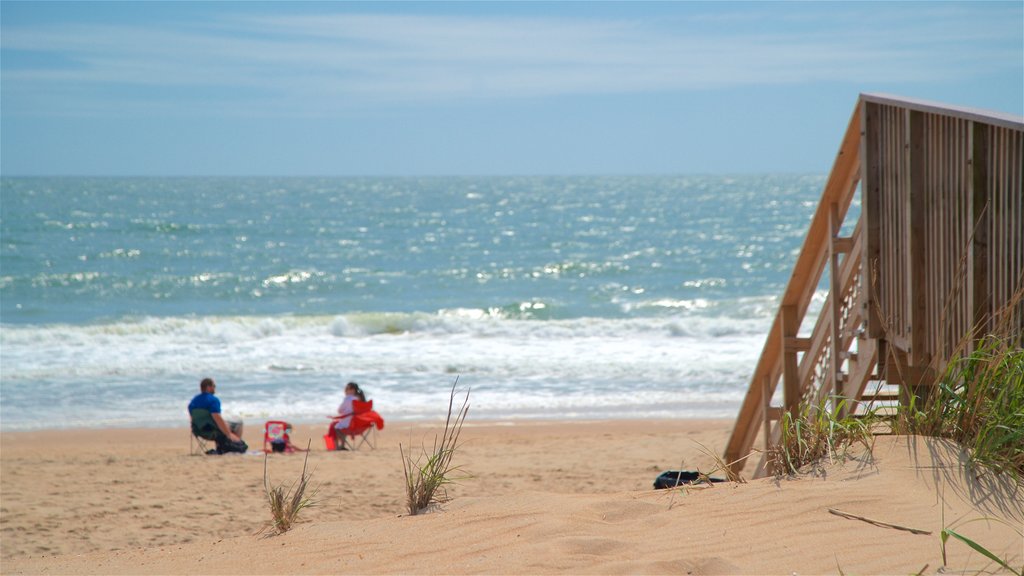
(539, 497)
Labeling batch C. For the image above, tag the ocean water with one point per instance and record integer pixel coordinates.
(546, 297)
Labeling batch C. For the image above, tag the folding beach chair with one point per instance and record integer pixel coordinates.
(277, 437)
(202, 431)
(365, 421)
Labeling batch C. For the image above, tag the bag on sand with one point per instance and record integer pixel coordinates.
(230, 446)
(673, 478)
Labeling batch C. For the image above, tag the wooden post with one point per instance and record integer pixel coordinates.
(836, 289)
(771, 414)
(917, 257)
(789, 327)
(871, 192)
(979, 182)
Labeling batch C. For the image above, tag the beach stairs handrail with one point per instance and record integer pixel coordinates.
(803, 363)
(936, 256)
(781, 356)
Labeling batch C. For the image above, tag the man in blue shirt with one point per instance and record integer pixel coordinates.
(230, 437)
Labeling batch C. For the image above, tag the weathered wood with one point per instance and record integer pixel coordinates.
(974, 114)
(871, 191)
(881, 397)
(835, 308)
(771, 413)
(979, 295)
(917, 310)
(796, 344)
(842, 245)
(938, 251)
(790, 366)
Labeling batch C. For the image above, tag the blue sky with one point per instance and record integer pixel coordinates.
(424, 88)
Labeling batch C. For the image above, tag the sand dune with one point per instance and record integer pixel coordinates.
(543, 498)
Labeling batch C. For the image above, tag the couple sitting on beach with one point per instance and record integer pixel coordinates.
(207, 422)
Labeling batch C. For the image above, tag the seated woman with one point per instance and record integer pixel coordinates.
(345, 410)
(355, 417)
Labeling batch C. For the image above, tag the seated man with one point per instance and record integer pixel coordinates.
(207, 422)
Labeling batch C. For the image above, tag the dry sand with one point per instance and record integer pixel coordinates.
(544, 497)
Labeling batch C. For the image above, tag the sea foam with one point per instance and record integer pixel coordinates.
(295, 366)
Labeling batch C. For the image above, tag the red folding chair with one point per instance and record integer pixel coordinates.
(363, 424)
(277, 437)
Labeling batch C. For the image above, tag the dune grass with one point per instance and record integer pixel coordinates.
(978, 400)
(286, 503)
(428, 474)
(818, 432)
(978, 403)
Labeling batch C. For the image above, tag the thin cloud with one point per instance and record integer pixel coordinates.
(325, 65)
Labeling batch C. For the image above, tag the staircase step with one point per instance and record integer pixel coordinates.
(893, 396)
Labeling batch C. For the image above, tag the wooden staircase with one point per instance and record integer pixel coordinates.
(936, 253)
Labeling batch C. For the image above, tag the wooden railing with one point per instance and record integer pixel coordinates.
(935, 257)
(945, 215)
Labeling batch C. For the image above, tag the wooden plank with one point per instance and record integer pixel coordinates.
(998, 263)
(932, 207)
(871, 215)
(770, 413)
(994, 118)
(940, 255)
(837, 292)
(796, 344)
(842, 245)
(917, 257)
(966, 228)
(995, 206)
(790, 368)
(892, 396)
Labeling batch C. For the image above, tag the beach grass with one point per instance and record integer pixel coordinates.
(979, 403)
(428, 474)
(818, 432)
(286, 503)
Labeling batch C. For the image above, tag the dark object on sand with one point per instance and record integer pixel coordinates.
(673, 478)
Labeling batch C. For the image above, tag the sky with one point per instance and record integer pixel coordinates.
(477, 88)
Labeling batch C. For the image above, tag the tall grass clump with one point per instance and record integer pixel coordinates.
(428, 474)
(978, 403)
(818, 432)
(287, 502)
